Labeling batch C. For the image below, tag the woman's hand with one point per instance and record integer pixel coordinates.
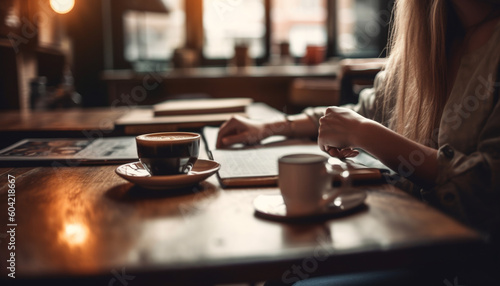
(338, 131)
(342, 153)
(239, 129)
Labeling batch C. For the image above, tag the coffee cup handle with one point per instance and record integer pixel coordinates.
(334, 193)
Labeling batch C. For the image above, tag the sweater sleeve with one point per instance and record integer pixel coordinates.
(468, 185)
(366, 105)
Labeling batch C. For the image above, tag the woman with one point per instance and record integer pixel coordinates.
(433, 114)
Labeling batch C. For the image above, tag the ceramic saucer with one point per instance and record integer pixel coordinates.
(273, 207)
(135, 173)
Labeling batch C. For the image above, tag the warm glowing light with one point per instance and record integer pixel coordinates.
(75, 233)
(62, 6)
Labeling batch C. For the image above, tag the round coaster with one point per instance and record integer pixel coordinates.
(273, 207)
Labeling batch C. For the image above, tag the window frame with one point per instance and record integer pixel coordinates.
(194, 38)
(195, 34)
(194, 16)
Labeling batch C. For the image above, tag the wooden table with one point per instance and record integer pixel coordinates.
(90, 224)
(85, 222)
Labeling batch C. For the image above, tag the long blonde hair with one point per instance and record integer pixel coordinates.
(417, 68)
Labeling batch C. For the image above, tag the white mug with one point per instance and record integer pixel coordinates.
(305, 181)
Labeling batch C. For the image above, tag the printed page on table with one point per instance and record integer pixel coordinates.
(70, 150)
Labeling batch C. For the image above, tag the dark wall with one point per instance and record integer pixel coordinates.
(84, 27)
(8, 79)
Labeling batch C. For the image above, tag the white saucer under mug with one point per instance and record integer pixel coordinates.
(273, 206)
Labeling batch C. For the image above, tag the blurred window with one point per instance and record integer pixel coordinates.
(153, 36)
(227, 23)
(359, 30)
(300, 23)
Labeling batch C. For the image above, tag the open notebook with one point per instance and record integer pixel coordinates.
(258, 165)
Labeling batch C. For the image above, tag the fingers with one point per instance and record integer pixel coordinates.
(328, 138)
(337, 128)
(349, 152)
(340, 153)
(227, 128)
(336, 152)
(243, 137)
(239, 130)
(330, 110)
(332, 151)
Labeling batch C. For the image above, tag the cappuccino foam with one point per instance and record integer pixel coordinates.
(166, 138)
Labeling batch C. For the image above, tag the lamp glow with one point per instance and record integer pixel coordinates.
(74, 234)
(62, 6)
